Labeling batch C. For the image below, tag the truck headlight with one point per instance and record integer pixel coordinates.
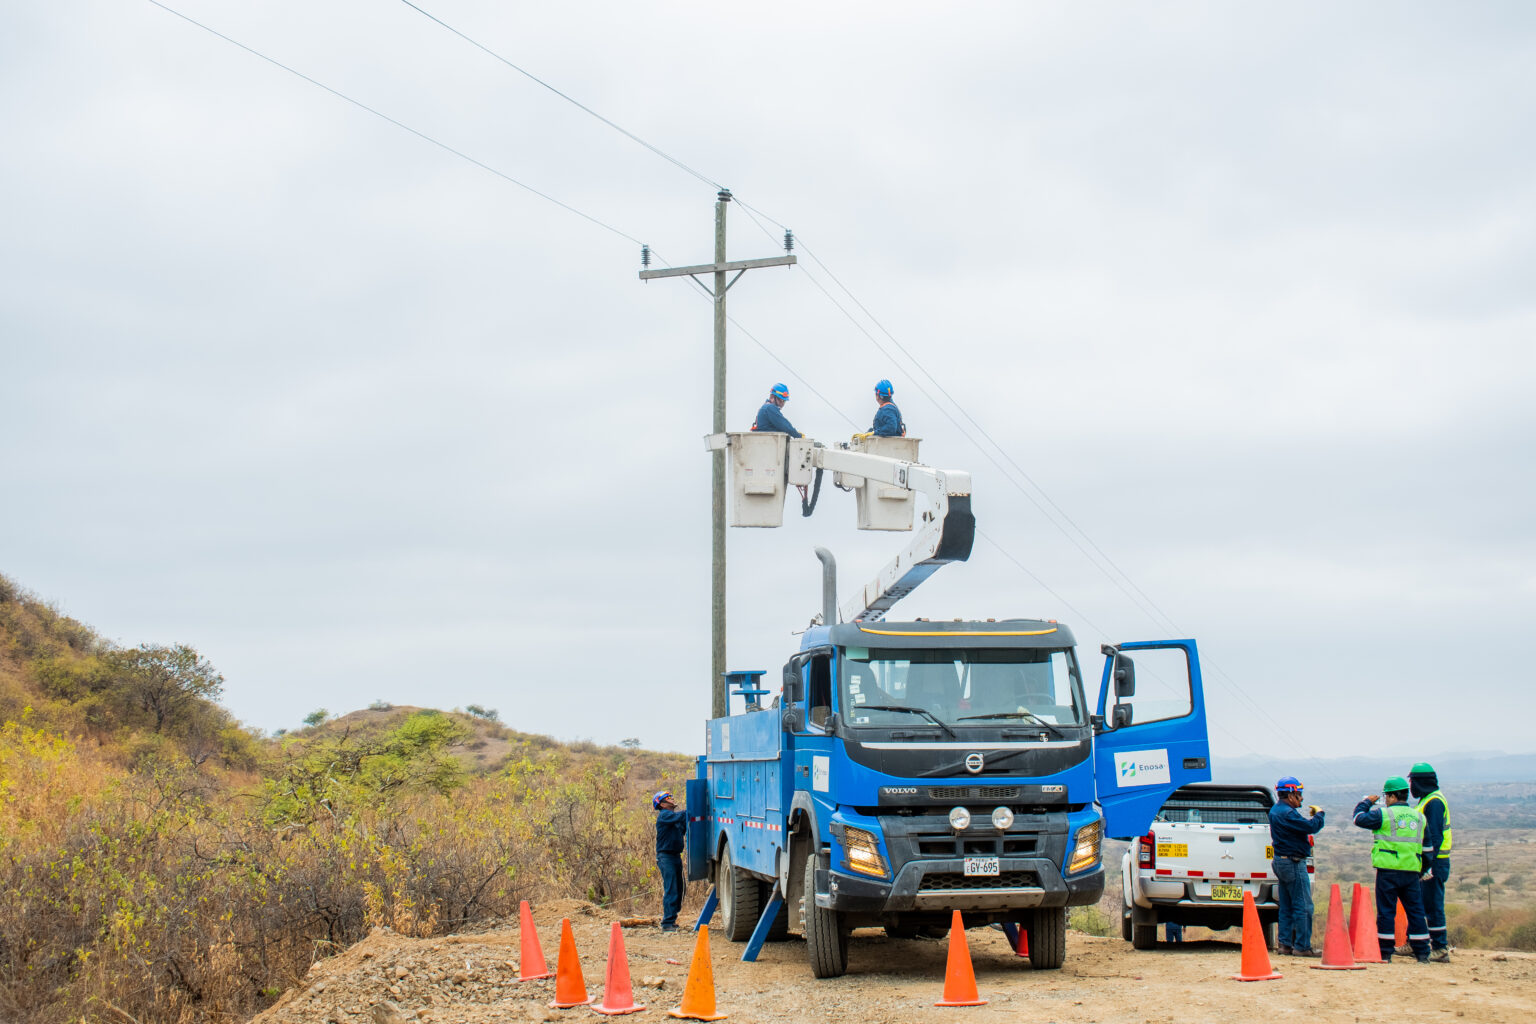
(863, 852)
(1002, 817)
(959, 819)
(1085, 852)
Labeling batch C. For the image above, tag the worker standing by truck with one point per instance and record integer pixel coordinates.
(888, 421)
(1424, 784)
(671, 827)
(1290, 833)
(1398, 856)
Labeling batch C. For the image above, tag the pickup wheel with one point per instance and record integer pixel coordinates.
(826, 940)
(1271, 934)
(1143, 928)
(1047, 933)
(738, 899)
(1125, 924)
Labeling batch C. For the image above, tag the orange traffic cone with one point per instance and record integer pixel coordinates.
(1255, 965)
(531, 965)
(699, 990)
(1400, 933)
(618, 994)
(1362, 927)
(570, 986)
(1338, 950)
(959, 978)
(1023, 949)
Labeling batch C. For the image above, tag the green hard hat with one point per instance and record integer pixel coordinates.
(1422, 768)
(1396, 784)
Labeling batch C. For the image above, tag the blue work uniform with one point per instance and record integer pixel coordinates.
(1437, 853)
(671, 829)
(1398, 857)
(769, 418)
(888, 421)
(1288, 832)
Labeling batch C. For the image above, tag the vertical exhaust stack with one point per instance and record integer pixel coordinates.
(828, 587)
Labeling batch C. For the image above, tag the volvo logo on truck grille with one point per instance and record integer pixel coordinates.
(973, 762)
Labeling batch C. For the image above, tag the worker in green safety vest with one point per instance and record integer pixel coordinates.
(1398, 856)
(1424, 784)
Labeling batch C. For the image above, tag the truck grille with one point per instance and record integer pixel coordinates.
(973, 793)
(953, 881)
(949, 845)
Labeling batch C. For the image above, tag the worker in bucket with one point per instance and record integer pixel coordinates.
(1424, 784)
(887, 417)
(769, 417)
(1291, 835)
(1399, 859)
(671, 827)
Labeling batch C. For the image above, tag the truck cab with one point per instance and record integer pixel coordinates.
(911, 769)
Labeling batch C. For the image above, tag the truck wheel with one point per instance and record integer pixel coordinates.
(1271, 934)
(738, 899)
(1143, 928)
(1047, 931)
(778, 931)
(826, 942)
(1125, 924)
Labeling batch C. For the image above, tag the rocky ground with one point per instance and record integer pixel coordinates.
(470, 979)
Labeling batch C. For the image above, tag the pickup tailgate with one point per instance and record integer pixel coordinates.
(1219, 860)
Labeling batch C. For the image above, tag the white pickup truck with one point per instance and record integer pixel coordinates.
(1208, 845)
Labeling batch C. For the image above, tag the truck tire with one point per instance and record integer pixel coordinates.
(826, 941)
(778, 931)
(738, 899)
(1143, 928)
(1125, 924)
(1047, 933)
(1271, 934)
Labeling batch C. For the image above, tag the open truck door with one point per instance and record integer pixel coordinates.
(1150, 731)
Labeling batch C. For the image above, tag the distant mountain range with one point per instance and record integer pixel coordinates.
(1369, 772)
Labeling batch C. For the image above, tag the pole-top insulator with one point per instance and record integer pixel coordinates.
(725, 195)
(645, 255)
(789, 240)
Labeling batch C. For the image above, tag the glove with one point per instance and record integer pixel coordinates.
(1313, 808)
(1372, 798)
(864, 437)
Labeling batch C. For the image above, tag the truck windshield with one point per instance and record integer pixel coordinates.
(960, 687)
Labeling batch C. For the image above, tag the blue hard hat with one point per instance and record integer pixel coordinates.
(1289, 784)
(658, 798)
(883, 388)
(780, 391)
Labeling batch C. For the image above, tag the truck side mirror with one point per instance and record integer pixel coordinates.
(1122, 716)
(1125, 676)
(794, 718)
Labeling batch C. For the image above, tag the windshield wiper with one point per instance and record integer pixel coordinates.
(909, 710)
(1029, 715)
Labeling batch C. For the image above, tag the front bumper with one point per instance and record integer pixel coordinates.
(943, 885)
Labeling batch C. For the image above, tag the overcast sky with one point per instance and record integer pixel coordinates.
(1246, 291)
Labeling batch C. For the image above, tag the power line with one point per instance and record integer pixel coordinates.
(574, 102)
(398, 124)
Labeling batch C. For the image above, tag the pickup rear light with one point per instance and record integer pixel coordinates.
(1146, 851)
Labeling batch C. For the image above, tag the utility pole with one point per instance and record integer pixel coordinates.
(719, 268)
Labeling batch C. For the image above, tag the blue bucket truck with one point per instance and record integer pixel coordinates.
(911, 769)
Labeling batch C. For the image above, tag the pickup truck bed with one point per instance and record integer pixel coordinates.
(1207, 846)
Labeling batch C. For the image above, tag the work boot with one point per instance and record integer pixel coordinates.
(1283, 950)
(1404, 951)
(1312, 953)
(1440, 956)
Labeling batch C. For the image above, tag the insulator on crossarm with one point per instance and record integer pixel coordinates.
(789, 240)
(645, 255)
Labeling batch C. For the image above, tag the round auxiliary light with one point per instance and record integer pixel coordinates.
(959, 819)
(1002, 817)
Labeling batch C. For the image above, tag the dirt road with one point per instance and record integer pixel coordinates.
(469, 978)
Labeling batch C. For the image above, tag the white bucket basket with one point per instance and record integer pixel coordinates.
(757, 478)
(881, 506)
